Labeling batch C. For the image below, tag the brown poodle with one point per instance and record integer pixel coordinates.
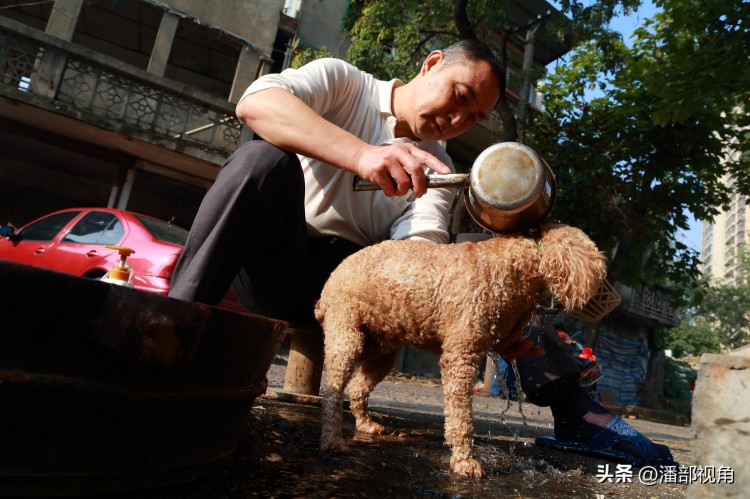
(456, 300)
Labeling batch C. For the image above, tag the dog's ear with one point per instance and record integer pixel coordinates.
(571, 264)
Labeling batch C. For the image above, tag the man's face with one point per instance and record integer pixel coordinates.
(453, 97)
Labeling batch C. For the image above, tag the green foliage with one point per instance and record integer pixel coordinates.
(677, 378)
(627, 174)
(720, 322)
(690, 338)
(702, 49)
(304, 55)
(697, 41)
(591, 21)
(390, 38)
(726, 308)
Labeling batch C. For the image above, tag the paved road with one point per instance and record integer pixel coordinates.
(419, 400)
(278, 454)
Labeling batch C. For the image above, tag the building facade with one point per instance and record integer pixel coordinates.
(723, 241)
(123, 103)
(130, 103)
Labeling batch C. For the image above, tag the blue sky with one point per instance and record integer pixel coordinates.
(626, 25)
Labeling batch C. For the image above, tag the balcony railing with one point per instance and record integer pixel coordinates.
(648, 303)
(70, 79)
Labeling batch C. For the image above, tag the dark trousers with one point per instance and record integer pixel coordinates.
(250, 235)
(546, 380)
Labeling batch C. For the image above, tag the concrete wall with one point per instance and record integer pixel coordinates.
(320, 25)
(253, 20)
(721, 421)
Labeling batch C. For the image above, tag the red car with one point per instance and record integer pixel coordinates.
(74, 240)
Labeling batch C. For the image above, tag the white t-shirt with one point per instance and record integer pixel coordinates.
(360, 104)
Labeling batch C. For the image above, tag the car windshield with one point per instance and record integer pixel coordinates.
(162, 231)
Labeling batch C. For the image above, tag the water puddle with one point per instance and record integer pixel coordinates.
(278, 456)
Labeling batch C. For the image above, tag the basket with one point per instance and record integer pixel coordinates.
(602, 303)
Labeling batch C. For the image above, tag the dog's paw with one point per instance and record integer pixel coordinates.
(371, 427)
(333, 446)
(467, 467)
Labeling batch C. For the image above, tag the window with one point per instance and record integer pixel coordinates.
(125, 31)
(34, 14)
(203, 57)
(96, 227)
(47, 228)
(163, 231)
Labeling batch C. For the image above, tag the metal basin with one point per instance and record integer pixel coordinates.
(512, 188)
(107, 389)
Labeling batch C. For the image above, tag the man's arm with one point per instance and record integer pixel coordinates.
(286, 121)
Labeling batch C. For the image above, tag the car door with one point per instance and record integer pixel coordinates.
(32, 242)
(82, 248)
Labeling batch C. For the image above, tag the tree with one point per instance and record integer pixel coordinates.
(690, 339)
(721, 321)
(634, 159)
(391, 38)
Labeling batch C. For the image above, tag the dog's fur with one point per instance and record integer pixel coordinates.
(455, 300)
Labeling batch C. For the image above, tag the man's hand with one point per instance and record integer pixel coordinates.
(516, 345)
(288, 123)
(396, 168)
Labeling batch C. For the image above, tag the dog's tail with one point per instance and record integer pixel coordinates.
(571, 264)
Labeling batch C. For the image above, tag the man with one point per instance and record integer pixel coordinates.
(282, 213)
(253, 226)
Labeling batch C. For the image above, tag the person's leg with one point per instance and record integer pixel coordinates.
(249, 233)
(592, 429)
(545, 377)
(553, 380)
(324, 255)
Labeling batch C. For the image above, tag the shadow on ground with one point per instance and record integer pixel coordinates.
(278, 457)
(278, 454)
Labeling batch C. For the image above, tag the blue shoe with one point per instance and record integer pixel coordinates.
(642, 452)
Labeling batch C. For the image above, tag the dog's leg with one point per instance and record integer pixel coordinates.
(458, 371)
(370, 373)
(343, 348)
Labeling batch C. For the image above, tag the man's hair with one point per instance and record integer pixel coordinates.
(473, 50)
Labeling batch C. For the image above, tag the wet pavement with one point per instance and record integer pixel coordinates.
(278, 454)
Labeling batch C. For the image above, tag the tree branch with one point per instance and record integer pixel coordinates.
(461, 17)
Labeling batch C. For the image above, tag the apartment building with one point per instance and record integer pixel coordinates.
(723, 241)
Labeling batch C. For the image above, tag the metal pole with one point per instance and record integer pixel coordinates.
(523, 98)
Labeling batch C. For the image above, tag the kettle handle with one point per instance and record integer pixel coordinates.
(448, 180)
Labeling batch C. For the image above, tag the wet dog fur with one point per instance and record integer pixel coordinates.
(455, 300)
